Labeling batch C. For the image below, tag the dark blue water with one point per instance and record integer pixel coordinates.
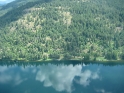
(61, 78)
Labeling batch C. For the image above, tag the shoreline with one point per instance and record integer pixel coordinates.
(60, 60)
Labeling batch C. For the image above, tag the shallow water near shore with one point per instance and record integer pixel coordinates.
(61, 77)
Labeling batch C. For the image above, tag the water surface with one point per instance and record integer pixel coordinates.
(69, 77)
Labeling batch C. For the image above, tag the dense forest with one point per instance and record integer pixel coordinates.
(62, 29)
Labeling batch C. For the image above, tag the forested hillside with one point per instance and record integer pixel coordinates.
(63, 29)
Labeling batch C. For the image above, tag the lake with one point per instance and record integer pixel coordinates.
(61, 77)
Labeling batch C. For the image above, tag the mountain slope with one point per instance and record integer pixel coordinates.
(63, 29)
(15, 4)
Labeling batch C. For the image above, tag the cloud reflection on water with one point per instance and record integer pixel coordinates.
(7, 75)
(61, 77)
(102, 91)
(4, 76)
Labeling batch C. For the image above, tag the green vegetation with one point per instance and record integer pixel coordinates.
(63, 29)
